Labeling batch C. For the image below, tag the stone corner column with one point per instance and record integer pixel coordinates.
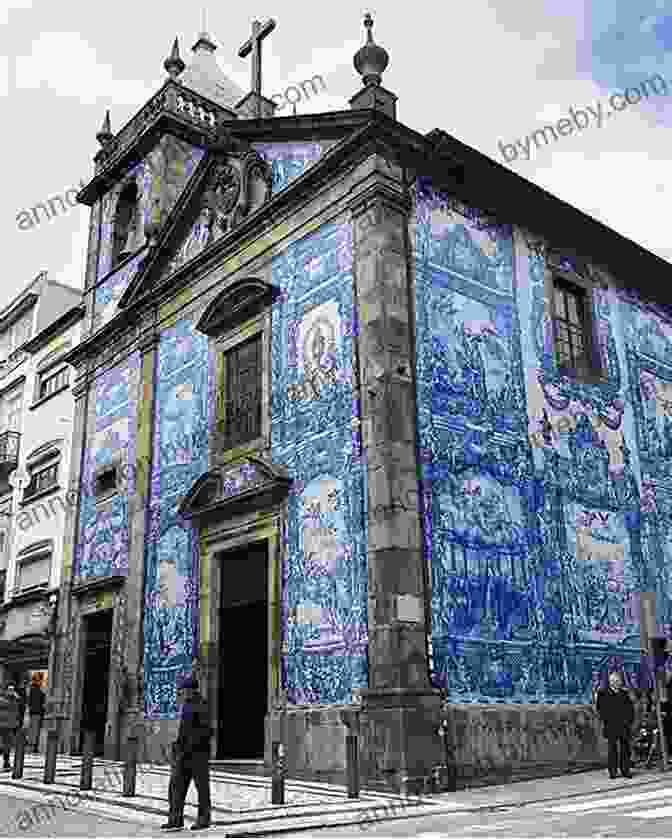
(62, 668)
(133, 722)
(400, 709)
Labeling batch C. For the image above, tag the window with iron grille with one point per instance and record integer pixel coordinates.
(572, 328)
(242, 393)
(41, 480)
(51, 382)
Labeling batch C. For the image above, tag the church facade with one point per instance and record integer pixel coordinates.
(363, 422)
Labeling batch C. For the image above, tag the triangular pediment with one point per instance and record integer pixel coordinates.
(228, 187)
(236, 483)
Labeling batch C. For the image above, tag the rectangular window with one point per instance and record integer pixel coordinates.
(242, 399)
(41, 480)
(12, 404)
(51, 382)
(33, 573)
(3, 579)
(572, 326)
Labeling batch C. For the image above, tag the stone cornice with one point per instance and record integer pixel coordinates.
(82, 588)
(380, 192)
(174, 109)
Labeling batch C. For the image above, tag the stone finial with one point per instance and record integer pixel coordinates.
(371, 60)
(104, 136)
(174, 64)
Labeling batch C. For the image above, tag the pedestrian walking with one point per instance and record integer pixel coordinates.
(191, 756)
(36, 700)
(617, 713)
(9, 722)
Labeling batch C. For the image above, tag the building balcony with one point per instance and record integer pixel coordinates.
(9, 449)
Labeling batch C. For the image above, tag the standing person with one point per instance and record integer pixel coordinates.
(36, 709)
(191, 756)
(666, 710)
(617, 712)
(9, 721)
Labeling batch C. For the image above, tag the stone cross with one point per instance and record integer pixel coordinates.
(253, 45)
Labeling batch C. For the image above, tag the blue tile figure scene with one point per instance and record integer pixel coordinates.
(185, 411)
(534, 526)
(315, 432)
(102, 545)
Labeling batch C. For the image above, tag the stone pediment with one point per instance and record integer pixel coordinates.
(243, 482)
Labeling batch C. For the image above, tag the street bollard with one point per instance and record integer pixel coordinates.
(352, 762)
(130, 766)
(278, 778)
(86, 776)
(19, 753)
(50, 757)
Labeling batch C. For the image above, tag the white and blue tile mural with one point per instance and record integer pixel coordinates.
(102, 544)
(288, 160)
(545, 500)
(184, 399)
(315, 432)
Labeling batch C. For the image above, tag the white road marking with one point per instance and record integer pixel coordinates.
(605, 803)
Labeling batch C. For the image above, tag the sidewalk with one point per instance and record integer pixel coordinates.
(241, 803)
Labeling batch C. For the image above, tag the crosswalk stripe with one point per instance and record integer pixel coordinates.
(605, 803)
(658, 813)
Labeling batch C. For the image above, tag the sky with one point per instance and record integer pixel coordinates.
(489, 72)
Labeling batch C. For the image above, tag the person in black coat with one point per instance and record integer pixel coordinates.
(617, 712)
(191, 756)
(36, 701)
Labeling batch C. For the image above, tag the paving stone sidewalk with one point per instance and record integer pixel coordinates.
(241, 803)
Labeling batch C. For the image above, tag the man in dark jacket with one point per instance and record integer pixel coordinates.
(9, 722)
(191, 756)
(36, 708)
(617, 712)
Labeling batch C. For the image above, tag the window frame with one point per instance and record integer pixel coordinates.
(594, 372)
(49, 375)
(259, 328)
(27, 558)
(117, 253)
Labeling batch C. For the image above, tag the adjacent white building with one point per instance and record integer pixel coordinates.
(36, 410)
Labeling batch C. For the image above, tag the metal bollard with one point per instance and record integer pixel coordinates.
(130, 766)
(86, 776)
(278, 778)
(19, 753)
(352, 763)
(50, 758)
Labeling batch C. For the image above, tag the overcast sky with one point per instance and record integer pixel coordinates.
(487, 71)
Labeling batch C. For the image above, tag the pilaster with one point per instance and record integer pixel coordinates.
(400, 704)
(138, 522)
(59, 707)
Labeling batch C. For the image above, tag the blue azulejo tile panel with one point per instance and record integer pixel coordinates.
(546, 517)
(110, 291)
(183, 415)
(161, 178)
(102, 544)
(288, 160)
(316, 433)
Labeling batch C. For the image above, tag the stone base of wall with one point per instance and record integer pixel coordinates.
(400, 749)
(493, 742)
